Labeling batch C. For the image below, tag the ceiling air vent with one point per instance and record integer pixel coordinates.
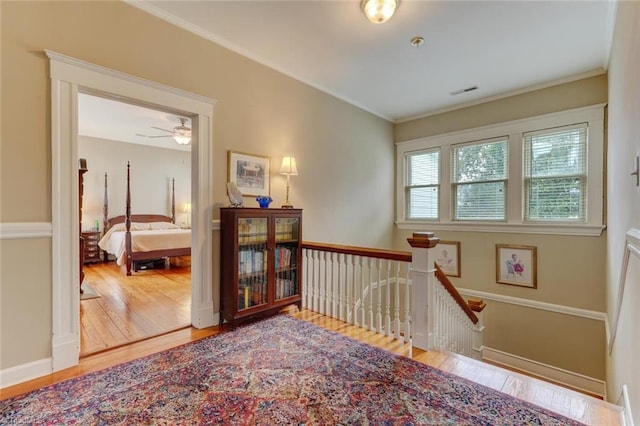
(468, 89)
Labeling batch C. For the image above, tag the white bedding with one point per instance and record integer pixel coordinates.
(144, 240)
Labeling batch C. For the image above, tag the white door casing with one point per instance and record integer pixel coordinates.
(69, 76)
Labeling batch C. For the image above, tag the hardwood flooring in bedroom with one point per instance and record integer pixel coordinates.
(146, 304)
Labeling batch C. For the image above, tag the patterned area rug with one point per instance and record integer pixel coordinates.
(277, 371)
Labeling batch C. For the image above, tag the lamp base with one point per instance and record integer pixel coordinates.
(287, 206)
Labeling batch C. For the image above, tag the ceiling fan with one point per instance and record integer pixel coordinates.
(181, 133)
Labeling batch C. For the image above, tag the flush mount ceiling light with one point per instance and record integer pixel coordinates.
(379, 11)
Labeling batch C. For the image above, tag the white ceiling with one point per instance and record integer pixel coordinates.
(500, 46)
(113, 120)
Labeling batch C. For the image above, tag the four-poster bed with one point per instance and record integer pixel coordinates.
(142, 237)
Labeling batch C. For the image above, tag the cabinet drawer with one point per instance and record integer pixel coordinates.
(91, 255)
(90, 237)
(91, 249)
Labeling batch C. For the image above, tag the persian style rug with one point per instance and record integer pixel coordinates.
(274, 372)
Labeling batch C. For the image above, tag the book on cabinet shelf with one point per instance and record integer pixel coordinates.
(252, 231)
(285, 288)
(251, 261)
(282, 257)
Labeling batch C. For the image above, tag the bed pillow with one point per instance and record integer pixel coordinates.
(156, 226)
(135, 226)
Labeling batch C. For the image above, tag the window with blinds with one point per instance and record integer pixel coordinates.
(555, 174)
(422, 185)
(479, 180)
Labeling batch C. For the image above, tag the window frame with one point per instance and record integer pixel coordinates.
(528, 179)
(455, 184)
(515, 218)
(408, 187)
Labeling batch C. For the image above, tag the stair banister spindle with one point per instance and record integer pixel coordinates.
(340, 288)
(305, 277)
(407, 304)
(326, 259)
(379, 301)
(351, 275)
(334, 287)
(387, 304)
(370, 293)
(322, 284)
(314, 288)
(396, 299)
(362, 293)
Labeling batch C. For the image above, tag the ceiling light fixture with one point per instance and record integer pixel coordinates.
(379, 11)
(181, 133)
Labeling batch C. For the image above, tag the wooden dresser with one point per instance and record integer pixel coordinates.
(91, 252)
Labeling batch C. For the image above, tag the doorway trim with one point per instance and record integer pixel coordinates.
(70, 76)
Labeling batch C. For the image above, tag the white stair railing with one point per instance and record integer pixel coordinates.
(364, 287)
(399, 294)
(456, 327)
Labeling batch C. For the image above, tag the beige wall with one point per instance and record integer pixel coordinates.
(345, 155)
(557, 98)
(571, 270)
(624, 200)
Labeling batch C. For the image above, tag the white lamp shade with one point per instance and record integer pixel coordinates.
(288, 166)
(379, 11)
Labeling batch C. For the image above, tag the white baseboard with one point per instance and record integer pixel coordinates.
(66, 351)
(21, 373)
(554, 374)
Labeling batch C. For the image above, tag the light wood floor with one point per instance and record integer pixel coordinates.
(132, 308)
(569, 403)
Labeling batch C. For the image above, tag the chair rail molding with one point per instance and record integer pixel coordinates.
(535, 304)
(22, 230)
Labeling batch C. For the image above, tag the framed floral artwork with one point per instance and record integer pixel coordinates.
(516, 265)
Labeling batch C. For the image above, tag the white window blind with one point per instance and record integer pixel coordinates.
(422, 186)
(479, 179)
(555, 175)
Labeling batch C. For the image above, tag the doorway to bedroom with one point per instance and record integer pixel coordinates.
(135, 156)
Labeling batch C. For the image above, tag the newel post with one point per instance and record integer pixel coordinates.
(422, 276)
(477, 306)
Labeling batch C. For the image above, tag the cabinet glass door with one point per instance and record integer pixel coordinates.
(252, 262)
(287, 234)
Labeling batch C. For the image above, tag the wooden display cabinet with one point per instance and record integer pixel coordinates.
(260, 261)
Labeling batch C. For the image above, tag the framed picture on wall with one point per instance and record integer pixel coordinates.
(516, 265)
(249, 172)
(448, 257)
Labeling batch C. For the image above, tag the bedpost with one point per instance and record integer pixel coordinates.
(127, 221)
(105, 215)
(173, 200)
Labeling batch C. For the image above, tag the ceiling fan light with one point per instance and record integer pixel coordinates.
(379, 11)
(182, 138)
(181, 133)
